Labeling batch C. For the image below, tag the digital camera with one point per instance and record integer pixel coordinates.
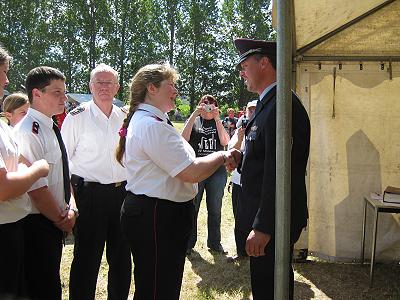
(208, 108)
(245, 121)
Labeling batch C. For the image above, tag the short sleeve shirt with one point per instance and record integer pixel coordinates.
(91, 138)
(17, 208)
(37, 140)
(154, 154)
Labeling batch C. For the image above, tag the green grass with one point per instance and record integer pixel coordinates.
(178, 125)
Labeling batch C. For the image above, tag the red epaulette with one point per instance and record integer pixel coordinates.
(35, 127)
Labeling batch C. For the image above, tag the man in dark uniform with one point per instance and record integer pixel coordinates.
(258, 69)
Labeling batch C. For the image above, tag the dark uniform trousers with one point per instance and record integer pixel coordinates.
(262, 271)
(158, 232)
(43, 250)
(241, 233)
(99, 223)
(12, 259)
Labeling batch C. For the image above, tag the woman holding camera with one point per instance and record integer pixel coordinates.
(206, 134)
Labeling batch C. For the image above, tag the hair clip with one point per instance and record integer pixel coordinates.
(122, 132)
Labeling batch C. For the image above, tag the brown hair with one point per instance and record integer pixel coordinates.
(5, 57)
(210, 100)
(149, 74)
(40, 77)
(14, 101)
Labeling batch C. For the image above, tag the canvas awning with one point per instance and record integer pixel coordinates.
(346, 28)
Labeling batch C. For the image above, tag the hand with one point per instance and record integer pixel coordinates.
(42, 166)
(199, 109)
(240, 133)
(22, 167)
(233, 157)
(67, 223)
(256, 243)
(23, 160)
(215, 113)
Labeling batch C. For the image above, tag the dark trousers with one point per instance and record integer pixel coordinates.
(262, 271)
(214, 187)
(240, 234)
(99, 223)
(158, 232)
(12, 259)
(43, 249)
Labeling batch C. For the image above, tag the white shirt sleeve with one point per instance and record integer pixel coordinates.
(166, 148)
(31, 148)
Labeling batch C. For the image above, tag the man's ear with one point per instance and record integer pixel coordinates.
(36, 93)
(90, 87)
(265, 62)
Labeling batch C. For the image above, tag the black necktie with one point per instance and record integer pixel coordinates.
(64, 158)
(169, 122)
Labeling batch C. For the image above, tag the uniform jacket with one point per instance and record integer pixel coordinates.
(259, 164)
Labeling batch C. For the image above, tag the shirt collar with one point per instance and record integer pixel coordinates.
(267, 89)
(45, 120)
(97, 111)
(154, 110)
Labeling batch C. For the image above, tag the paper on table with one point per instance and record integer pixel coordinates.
(376, 196)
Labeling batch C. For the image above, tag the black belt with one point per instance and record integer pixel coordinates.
(145, 197)
(78, 182)
(108, 185)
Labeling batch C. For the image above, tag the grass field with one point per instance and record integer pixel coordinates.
(209, 276)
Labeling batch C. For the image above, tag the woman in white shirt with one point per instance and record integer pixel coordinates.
(14, 203)
(162, 172)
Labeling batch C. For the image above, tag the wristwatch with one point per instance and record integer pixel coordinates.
(75, 210)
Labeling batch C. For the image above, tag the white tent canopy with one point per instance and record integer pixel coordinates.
(347, 57)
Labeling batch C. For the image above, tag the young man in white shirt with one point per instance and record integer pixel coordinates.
(53, 208)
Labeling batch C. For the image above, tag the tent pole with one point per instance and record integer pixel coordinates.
(283, 148)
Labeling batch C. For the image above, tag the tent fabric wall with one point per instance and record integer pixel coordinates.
(352, 154)
(314, 19)
(373, 36)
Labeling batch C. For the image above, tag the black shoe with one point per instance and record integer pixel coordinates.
(218, 249)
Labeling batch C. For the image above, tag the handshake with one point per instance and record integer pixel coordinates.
(232, 159)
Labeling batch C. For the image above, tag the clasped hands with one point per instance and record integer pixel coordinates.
(232, 159)
(67, 221)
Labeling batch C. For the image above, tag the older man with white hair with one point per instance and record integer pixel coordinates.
(91, 136)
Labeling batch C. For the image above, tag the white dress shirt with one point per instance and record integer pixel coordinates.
(267, 89)
(17, 208)
(154, 154)
(91, 138)
(38, 142)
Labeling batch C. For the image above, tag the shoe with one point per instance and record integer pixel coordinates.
(218, 249)
(189, 251)
(236, 258)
